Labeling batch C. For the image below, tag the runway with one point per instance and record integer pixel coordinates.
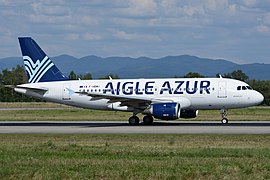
(121, 127)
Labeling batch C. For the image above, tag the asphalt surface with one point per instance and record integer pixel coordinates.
(121, 127)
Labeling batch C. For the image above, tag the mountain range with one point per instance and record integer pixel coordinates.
(144, 67)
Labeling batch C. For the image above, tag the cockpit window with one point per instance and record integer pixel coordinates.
(243, 88)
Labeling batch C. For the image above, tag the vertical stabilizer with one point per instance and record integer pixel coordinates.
(37, 64)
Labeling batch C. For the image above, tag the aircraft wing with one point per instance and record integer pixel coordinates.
(134, 101)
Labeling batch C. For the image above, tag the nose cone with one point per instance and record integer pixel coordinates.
(257, 98)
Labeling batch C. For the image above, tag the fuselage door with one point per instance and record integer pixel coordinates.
(222, 89)
(66, 92)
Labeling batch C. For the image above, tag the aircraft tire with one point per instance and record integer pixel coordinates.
(224, 121)
(148, 119)
(133, 121)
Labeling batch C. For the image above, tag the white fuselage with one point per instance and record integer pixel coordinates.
(190, 93)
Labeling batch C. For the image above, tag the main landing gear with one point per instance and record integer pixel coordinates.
(224, 119)
(148, 119)
(134, 120)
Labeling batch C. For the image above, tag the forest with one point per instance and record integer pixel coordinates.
(17, 75)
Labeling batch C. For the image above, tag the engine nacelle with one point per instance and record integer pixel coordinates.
(189, 114)
(164, 111)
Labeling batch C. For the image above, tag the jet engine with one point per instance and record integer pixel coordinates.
(164, 111)
(187, 114)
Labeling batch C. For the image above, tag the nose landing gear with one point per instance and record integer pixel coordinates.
(224, 119)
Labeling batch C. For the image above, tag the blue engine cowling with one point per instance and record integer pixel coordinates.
(165, 111)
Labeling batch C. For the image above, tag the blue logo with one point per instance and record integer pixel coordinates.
(38, 69)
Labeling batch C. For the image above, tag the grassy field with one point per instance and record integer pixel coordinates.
(135, 157)
(39, 156)
(64, 113)
(31, 105)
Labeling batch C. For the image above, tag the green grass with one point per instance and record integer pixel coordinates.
(71, 114)
(65, 113)
(130, 156)
(246, 114)
(31, 105)
(135, 157)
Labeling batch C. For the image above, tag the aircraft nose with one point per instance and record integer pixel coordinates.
(258, 98)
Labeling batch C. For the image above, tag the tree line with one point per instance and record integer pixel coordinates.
(17, 75)
(88, 76)
(13, 77)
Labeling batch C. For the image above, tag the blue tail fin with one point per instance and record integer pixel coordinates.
(37, 64)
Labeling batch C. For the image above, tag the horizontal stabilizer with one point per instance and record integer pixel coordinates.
(10, 86)
(41, 89)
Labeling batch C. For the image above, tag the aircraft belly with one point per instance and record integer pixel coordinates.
(218, 103)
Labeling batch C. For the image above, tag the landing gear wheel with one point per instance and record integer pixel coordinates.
(224, 121)
(133, 120)
(148, 119)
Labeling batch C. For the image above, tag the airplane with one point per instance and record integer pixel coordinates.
(164, 99)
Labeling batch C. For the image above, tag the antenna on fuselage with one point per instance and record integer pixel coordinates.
(220, 76)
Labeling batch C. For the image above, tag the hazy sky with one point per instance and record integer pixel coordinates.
(237, 30)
